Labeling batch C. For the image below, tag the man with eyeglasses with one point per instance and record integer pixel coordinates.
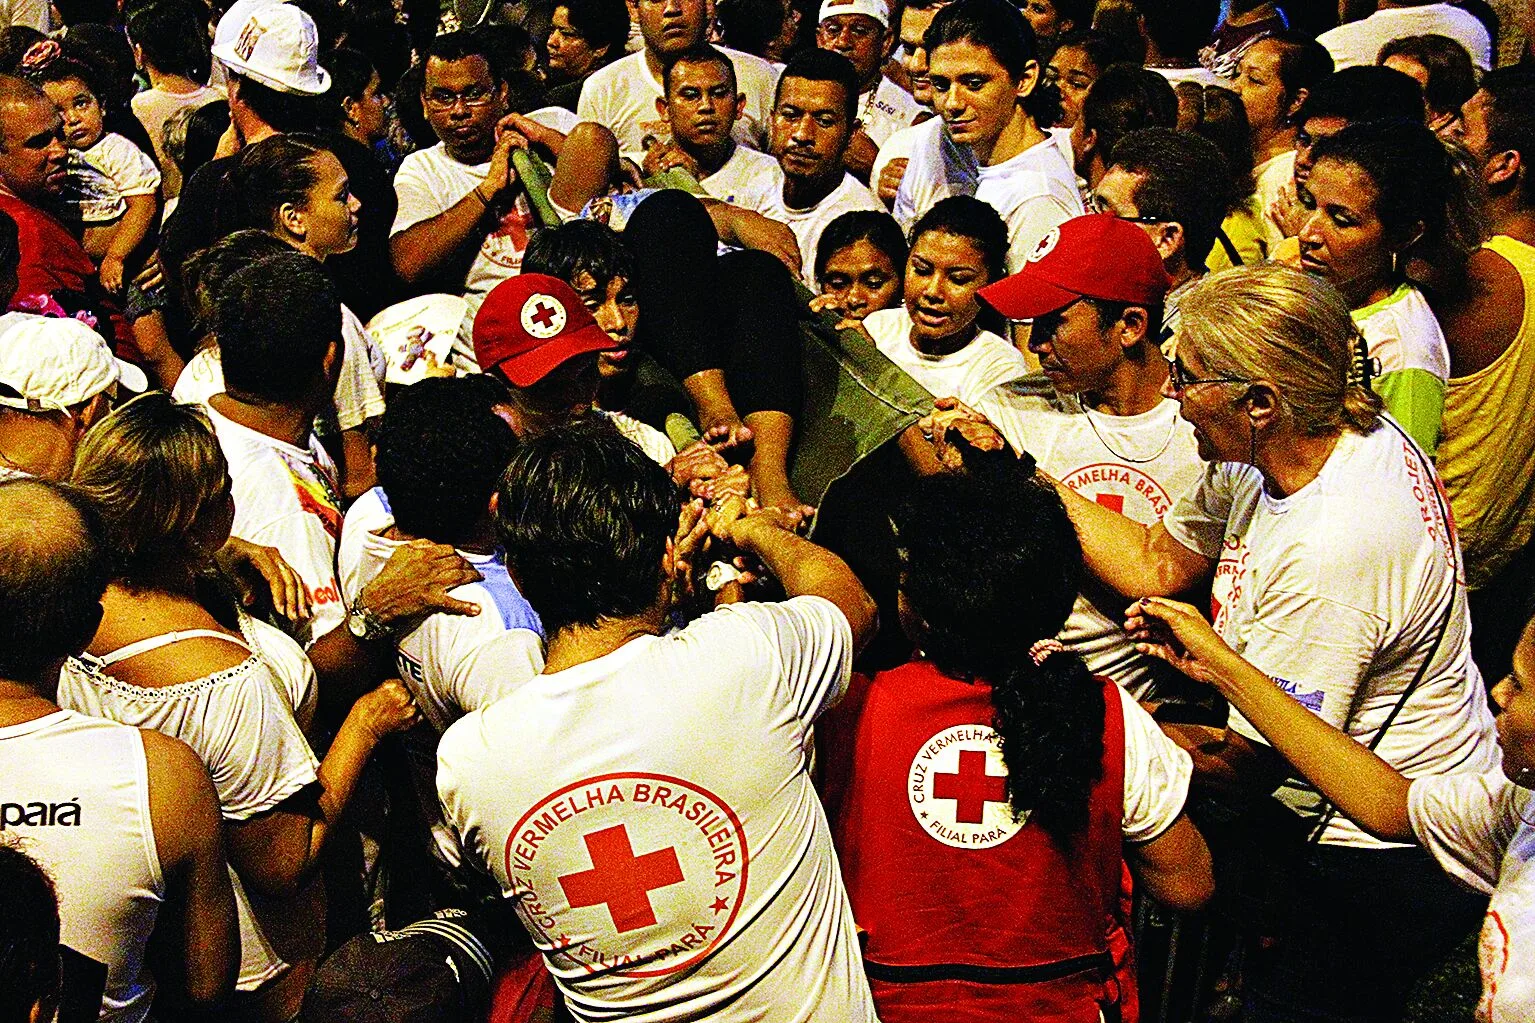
(860, 30)
(1177, 187)
(1094, 292)
(462, 224)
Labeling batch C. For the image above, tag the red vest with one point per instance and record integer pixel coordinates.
(971, 915)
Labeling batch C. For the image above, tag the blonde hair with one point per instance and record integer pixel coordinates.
(1268, 322)
(151, 466)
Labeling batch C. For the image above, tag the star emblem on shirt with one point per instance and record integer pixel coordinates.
(719, 905)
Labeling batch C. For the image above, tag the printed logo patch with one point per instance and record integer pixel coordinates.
(957, 789)
(1045, 245)
(1121, 488)
(543, 316)
(640, 872)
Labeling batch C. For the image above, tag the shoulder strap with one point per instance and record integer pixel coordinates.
(143, 646)
(1226, 243)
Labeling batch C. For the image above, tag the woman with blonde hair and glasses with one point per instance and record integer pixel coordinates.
(1334, 571)
(176, 654)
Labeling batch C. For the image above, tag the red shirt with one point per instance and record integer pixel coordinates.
(53, 265)
(971, 914)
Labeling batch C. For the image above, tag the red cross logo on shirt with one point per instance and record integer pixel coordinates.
(1113, 502)
(972, 788)
(620, 879)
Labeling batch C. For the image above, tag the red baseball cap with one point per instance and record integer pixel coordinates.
(531, 323)
(1094, 256)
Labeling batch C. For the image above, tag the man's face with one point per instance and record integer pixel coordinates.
(860, 39)
(810, 128)
(1474, 126)
(32, 153)
(1045, 20)
(1075, 349)
(973, 92)
(617, 311)
(671, 26)
(914, 23)
(463, 102)
(702, 106)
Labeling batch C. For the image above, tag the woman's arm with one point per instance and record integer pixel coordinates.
(1174, 867)
(1365, 788)
(274, 853)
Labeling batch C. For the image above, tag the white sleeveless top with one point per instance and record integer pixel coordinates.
(241, 724)
(76, 794)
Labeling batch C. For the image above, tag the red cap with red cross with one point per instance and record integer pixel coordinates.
(531, 323)
(1096, 256)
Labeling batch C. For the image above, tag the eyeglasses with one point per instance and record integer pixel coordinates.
(1179, 379)
(474, 96)
(1098, 204)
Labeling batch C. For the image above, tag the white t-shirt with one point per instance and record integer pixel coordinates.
(1134, 465)
(745, 180)
(658, 447)
(969, 374)
(1359, 42)
(1272, 175)
(286, 497)
(623, 97)
(153, 107)
(898, 146)
(359, 389)
(430, 182)
(1157, 775)
(77, 801)
(240, 723)
(451, 663)
(807, 224)
(644, 785)
(886, 109)
(1033, 192)
(1477, 827)
(106, 174)
(1338, 592)
(1413, 360)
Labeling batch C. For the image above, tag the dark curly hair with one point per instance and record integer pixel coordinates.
(992, 565)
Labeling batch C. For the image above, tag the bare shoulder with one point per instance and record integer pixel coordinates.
(1481, 319)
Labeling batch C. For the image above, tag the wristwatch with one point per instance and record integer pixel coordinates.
(364, 624)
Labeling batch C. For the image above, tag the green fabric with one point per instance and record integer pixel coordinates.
(1415, 399)
(676, 178)
(856, 400)
(535, 176)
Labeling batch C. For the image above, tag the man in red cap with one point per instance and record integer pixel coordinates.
(536, 335)
(1094, 289)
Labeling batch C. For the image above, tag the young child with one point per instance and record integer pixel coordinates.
(115, 184)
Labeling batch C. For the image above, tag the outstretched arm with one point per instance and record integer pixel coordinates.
(1365, 788)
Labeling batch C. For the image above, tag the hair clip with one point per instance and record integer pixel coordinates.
(1044, 648)
(40, 54)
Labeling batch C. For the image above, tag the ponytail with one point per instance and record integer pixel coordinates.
(1050, 718)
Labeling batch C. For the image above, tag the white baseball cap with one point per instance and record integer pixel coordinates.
(875, 9)
(50, 364)
(273, 43)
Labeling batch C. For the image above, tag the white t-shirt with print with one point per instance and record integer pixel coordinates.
(658, 826)
(1033, 192)
(286, 497)
(746, 179)
(1477, 827)
(969, 374)
(81, 788)
(112, 170)
(359, 389)
(886, 109)
(1134, 465)
(622, 96)
(1338, 592)
(807, 224)
(430, 182)
(1359, 42)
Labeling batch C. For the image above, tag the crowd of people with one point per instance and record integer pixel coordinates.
(767, 510)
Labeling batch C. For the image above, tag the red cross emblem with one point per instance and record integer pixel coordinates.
(972, 788)
(621, 880)
(1113, 502)
(543, 315)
